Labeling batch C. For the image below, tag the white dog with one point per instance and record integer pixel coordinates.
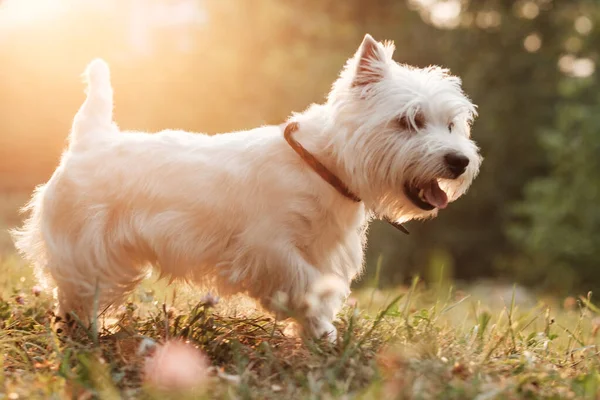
(252, 212)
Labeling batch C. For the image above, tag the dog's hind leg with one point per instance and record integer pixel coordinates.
(87, 292)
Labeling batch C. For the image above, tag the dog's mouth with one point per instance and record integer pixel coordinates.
(426, 196)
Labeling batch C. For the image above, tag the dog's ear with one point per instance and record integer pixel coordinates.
(371, 61)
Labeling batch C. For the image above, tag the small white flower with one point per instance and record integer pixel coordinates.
(529, 357)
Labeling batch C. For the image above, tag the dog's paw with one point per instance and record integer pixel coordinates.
(323, 329)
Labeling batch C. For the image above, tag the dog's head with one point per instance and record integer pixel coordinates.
(402, 134)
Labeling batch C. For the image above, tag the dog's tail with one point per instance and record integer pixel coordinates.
(95, 115)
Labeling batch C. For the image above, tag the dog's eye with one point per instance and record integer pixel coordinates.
(405, 124)
(420, 121)
(450, 126)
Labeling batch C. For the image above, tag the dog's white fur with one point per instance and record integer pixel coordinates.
(242, 211)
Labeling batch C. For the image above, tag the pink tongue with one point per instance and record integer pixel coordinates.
(434, 195)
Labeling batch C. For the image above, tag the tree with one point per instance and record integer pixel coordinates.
(559, 229)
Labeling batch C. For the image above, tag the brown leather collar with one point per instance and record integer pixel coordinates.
(324, 173)
(319, 168)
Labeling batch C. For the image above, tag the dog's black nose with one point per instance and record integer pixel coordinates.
(457, 163)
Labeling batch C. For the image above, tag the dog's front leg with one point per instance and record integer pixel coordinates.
(312, 297)
(323, 302)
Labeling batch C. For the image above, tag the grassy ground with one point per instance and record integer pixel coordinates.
(483, 342)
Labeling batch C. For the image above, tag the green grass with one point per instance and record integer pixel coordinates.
(417, 346)
(410, 342)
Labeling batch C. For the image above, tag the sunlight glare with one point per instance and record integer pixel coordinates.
(583, 25)
(446, 14)
(576, 67)
(532, 42)
(17, 12)
(440, 13)
(529, 10)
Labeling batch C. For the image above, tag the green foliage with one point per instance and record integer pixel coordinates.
(561, 232)
(557, 229)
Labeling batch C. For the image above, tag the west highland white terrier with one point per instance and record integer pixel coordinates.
(269, 211)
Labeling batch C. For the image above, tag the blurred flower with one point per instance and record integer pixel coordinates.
(210, 300)
(352, 301)
(461, 370)
(233, 379)
(36, 290)
(399, 377)
(595, 326)
(529, 357)
(147, 347)
(276, 388)
(171, 311)
(570, 303)
(147, 296)
(460, 294)
(20, 298)
(176, 365)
